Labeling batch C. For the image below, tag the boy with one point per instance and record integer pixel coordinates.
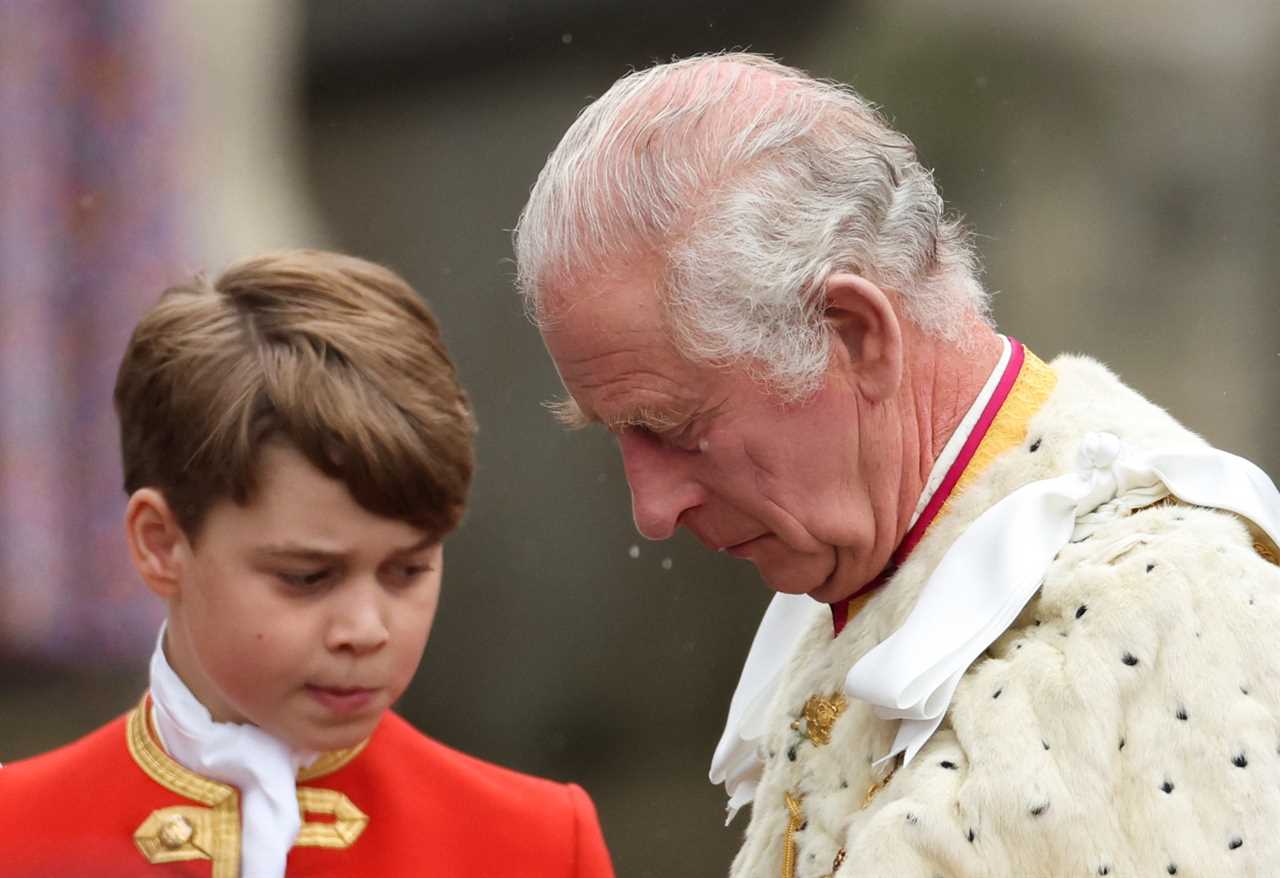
(296, 447)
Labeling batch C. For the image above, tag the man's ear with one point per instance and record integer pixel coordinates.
(157, 543)
(867, 327)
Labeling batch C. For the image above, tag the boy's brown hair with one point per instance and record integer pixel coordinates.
(334, 355)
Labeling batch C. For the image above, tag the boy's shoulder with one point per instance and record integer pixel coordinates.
(69, 767)
(429, 804)
(401, 763)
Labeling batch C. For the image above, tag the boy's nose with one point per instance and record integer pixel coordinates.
(358, 625)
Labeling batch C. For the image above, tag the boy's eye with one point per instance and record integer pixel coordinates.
(410, 572)
(308, 579)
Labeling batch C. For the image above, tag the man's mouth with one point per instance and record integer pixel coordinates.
(742, 549)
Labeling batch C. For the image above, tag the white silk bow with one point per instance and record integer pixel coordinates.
(994, 568)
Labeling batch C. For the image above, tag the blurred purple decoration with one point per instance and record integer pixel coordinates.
(90, 231)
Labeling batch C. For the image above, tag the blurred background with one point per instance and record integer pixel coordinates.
(1118, 161)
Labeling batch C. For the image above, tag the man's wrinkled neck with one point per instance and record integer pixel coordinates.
(943, 379)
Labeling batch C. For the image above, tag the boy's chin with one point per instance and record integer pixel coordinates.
(323, 740)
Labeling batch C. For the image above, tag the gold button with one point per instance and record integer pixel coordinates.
(176, 832)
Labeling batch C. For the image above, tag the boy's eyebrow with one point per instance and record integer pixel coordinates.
(296, 551)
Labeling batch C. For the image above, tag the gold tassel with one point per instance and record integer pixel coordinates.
(789, 839)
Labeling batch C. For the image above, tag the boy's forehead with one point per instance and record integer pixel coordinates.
(297, 508)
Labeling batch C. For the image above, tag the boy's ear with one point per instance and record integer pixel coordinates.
(157, 543)
(867, 327)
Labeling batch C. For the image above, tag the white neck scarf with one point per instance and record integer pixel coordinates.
(263, 768)
(736, 762)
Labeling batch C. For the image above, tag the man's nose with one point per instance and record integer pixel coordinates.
(359, 623)
(661, 487)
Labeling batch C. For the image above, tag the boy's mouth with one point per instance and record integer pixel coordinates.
(341, 699)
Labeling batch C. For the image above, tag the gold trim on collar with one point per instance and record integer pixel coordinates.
(185, 832)
(215, 833)
(330, 762)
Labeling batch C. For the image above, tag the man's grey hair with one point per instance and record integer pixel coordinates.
(743, 184)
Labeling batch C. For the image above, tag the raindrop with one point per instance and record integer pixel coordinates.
(634, 551)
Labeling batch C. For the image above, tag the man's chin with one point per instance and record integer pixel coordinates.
(816, 583)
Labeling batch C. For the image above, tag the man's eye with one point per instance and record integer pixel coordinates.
(307, 579)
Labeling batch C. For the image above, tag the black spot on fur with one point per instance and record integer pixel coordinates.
(1104, 870)
(1122, 743)
(1129, 659)
(1035, 446)
(997, 694)
(1172, 869)
(1239, 760)
(803, 826)
(791, 754)
(1182, 713)
(1244, 691)
(948, 765)
(912, 819)
(1235, 842)
(1044, 743)
(971, 835)
(1166, 787)
(1037, 810)
(1081, 610)
(1150, 567)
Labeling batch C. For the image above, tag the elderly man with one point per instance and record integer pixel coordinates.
(1026, 620)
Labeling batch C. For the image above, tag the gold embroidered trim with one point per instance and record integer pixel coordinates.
(216, 832)
(794, 822)
(188, 833)
(877, 786)
(331, 761)
(172, 835)
(342, 832)
(820, 714)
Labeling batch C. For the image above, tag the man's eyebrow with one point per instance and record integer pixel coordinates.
(569, 414)
(567, 411)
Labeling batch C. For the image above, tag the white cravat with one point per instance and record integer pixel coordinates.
(995, 567)
(736, 762)
(263, 768)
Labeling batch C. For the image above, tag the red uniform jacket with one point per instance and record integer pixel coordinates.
(114, 805)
